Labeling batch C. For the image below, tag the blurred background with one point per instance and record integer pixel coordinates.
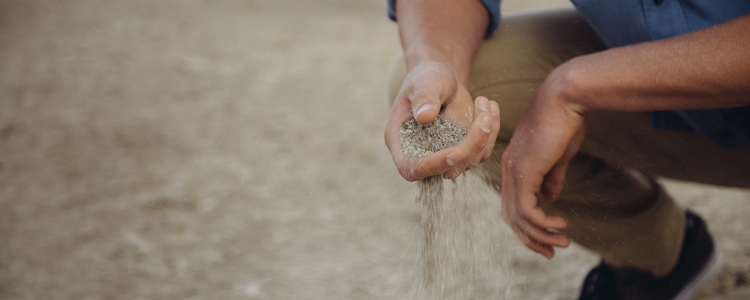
(231, 149)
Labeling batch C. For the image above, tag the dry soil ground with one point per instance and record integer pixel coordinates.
(228, 150)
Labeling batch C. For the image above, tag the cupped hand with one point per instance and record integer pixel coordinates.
(545, 141)
(427, 88)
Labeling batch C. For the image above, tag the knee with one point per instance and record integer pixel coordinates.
(594, 184)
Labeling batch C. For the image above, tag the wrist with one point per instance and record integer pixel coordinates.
(566, 88)
(426, 54)
(419, 54)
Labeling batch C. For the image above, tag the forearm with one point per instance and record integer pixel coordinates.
(447, 31)
(700, 70)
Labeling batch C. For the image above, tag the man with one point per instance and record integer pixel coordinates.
(594, 103)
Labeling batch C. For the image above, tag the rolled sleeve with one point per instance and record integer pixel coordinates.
(492, 6)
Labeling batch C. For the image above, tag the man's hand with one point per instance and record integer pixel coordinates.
(428, 87)
(440, 39)
(546, 139)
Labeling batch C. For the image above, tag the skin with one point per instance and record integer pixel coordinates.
(700, 70)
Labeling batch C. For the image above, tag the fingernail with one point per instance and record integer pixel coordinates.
(486, 124)
(484, 104)
(495, 109)
(452, 159)
(424, 107)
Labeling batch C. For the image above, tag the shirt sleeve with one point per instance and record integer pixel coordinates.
(492, 6)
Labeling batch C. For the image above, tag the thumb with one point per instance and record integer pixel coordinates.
(425, 107)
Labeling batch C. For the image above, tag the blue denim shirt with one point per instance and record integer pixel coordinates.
(627, 22)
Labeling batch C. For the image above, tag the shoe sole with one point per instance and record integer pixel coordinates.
(708, 272)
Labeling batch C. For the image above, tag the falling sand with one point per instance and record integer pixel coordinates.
(459, 245)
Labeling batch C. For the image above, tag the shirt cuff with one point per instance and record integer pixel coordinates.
(492, 6)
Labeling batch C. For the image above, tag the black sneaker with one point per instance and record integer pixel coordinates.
(699, 262)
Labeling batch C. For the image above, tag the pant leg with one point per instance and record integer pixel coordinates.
(611, 209)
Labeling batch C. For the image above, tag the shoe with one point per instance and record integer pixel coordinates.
(699, 262)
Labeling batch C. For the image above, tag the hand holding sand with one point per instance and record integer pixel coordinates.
(428, 87)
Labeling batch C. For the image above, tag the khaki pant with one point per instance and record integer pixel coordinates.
(611, 203)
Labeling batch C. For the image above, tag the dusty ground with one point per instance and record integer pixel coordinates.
(228, 150)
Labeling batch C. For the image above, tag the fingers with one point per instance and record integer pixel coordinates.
(541, 241)
(524, 223)
(529, 222)
(526, 239)
(529, 212)
(480, 140)
(543, 236)
(545, 250)
(437, 163)
(495, 112)
(474, 143)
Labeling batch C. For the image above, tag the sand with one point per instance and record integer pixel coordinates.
(420, 140)
(462, 253)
